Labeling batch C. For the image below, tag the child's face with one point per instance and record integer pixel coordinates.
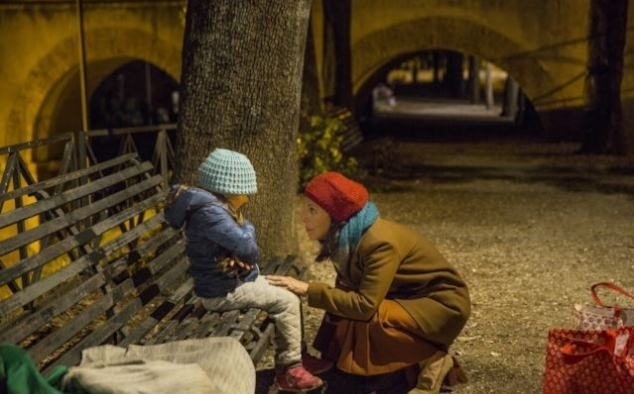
(316, 220)
(237, 201)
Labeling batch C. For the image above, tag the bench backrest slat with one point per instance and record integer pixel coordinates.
(75, 216)
(67, 178)
(67, 244)
(71, 195)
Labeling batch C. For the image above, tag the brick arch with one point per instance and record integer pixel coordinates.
(107, 49)
(374, 51)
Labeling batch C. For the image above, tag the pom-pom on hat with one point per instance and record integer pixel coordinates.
(339, 196)
(227, 172)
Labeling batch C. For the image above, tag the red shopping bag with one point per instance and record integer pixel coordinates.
(600, 316)
(589, 362)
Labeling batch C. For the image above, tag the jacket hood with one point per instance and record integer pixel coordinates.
(186, 202)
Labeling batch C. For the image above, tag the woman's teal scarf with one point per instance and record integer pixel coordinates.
(349, 237)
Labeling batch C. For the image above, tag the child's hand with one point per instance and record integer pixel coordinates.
(237, 264)
(232, 266)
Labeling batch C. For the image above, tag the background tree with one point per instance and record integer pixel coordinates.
(338, 52)
(240, 89)
(311, 103)
(608, 24)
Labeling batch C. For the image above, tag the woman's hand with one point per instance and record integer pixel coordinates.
(288, 282)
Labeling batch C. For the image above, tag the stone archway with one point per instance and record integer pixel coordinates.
(52, 79)
(381, 49)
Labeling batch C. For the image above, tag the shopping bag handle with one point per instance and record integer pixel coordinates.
(608, 285)
(572, 357)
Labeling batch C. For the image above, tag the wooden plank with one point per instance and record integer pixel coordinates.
(190, 323)
(69, 177)
(68, 243)
(48, 204)
(243, 329)
(34, 144)
(136, 232)
(57, 249)
(98, 337)
(207, 324)
(73, 327)
(260, 346)
(30, 293)
(14, 331)
(50, 282)
(7, 175)
(114, 324)
(228, 320)
(180, 296)
(18, 329)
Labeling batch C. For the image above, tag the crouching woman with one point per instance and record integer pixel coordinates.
(397, 302)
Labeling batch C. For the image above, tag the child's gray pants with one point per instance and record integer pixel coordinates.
(281, 305)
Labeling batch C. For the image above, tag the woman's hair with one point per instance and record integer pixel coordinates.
(330, 243)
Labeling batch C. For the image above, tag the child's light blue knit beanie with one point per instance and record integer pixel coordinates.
(227, 172)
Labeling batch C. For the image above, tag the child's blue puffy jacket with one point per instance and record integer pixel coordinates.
(212, 233)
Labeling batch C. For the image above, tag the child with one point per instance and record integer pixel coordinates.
(223, 257)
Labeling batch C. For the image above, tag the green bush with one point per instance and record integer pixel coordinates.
(319, 150)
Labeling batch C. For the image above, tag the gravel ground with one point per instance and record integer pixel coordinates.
(529, 225)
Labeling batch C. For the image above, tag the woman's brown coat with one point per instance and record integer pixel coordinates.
(395, 262)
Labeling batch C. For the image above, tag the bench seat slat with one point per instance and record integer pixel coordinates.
(23, 327)
(123, 316)
(44, 285)
(179, 296)
(78, 323)
(99, 336)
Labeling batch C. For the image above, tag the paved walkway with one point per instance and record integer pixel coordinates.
(411, 107)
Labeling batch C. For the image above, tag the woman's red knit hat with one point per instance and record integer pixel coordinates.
(339, 196)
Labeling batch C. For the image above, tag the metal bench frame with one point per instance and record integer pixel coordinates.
(123, 277)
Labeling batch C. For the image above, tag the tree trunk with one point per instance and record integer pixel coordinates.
(337, 51)
(488, 86)
(511, 92)
(454, 79)
(241, 86)
(608, 23)
(474, 79)
(310, 104)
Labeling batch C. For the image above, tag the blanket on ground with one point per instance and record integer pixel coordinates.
(212, 365)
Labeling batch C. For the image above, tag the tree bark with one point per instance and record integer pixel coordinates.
(241, 86)
(608, 24)
(474, 79)
(337, 51)
(454, 80)
(310, 104)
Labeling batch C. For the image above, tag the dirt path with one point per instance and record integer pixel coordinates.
(530, 226)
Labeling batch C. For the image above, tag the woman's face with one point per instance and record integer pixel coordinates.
(316, 220)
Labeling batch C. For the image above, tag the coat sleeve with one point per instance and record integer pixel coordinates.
(176, 212)
(222, 229)
(380, 264)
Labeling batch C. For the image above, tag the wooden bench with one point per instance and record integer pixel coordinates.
(101, 266)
